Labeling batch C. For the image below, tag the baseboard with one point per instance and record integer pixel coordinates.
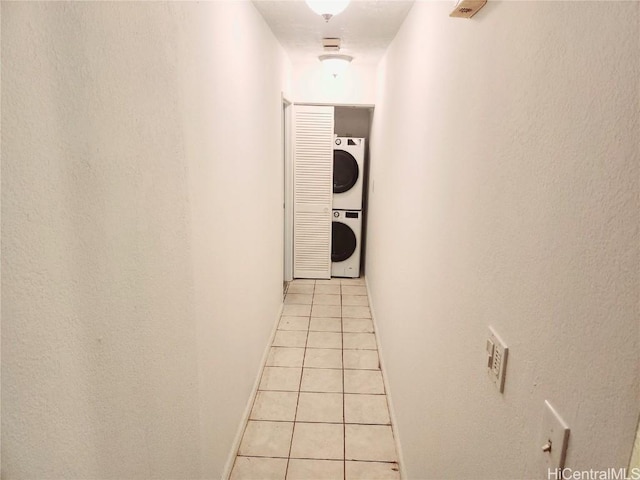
(392, 411)
(247, 411)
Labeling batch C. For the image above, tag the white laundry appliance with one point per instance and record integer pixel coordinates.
(346, 230)
(348, 172)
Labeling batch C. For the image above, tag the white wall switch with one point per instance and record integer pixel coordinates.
(497, 353)
(554, 438)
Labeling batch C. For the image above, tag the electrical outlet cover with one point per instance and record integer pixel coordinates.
(554, 433)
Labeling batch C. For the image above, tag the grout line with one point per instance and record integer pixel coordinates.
(320, 368)
(295, 416)
(344, 419)
(314, 391)
(281, 366)
(391, 462)
(259, 456)
(317, 421)
(320, 348)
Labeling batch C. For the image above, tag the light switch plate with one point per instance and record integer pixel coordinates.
(497, 353)
(554, 435)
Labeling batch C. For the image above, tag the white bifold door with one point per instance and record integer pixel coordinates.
(312, 190)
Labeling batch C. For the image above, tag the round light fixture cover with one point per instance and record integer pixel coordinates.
(327, 8)
(335, 64)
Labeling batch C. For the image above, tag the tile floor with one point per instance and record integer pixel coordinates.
(321, 409)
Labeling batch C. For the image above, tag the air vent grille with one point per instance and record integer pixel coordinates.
(331, 44)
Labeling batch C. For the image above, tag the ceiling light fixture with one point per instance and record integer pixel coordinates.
(327, 8)
(335, 64)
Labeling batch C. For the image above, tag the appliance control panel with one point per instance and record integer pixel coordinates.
(352, 142)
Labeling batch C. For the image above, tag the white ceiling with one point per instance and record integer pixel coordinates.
(365, 27)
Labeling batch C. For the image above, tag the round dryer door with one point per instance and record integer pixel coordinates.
(343, 242)
(345, 171)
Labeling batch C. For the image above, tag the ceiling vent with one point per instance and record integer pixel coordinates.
(331, 44)
(467, 8)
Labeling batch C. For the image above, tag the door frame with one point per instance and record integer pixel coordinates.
(287, 162)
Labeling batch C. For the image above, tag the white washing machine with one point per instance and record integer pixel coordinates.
(348, 172)
(346, 230)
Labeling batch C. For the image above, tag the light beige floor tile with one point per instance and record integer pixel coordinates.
(285, 357)
(318, 440)
(362, 341)
(361, 359)
(363, 381)
(290, 338)
(300, 288)
(357, 325)
(332, 281)
(298, 298)
(293, 310)
(302, 281)
(323, 358)
(361, 300)
(370, 442)
(281, 378)
(320, 324)
(277, 406)
(326, 311)
(266, 439)
(355, 312)
(293, 323)
(370, 409)
(257, 468)
(328, 289)
(315, 469)
(320, 407)
(353, 290)
(322, 299)
(324, 340)
(324, 380)
(372, 471)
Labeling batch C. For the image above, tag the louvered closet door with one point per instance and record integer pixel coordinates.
(313, 190)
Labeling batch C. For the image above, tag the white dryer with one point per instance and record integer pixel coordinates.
(348, 172)
(346, 230)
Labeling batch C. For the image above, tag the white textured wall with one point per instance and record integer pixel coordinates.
(141, 186)
(310, 83)
(504, 191)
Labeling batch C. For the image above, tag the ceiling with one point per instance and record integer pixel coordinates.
(365, 27)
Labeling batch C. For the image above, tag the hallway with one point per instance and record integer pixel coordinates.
(143, 184)
(321, 409)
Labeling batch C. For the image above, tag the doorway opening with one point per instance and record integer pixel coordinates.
(355, 121)
(352, 121)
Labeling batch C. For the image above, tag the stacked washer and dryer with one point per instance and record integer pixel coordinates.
(346, 228)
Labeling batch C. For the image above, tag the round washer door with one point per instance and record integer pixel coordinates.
(343, 242)
(345, 171)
